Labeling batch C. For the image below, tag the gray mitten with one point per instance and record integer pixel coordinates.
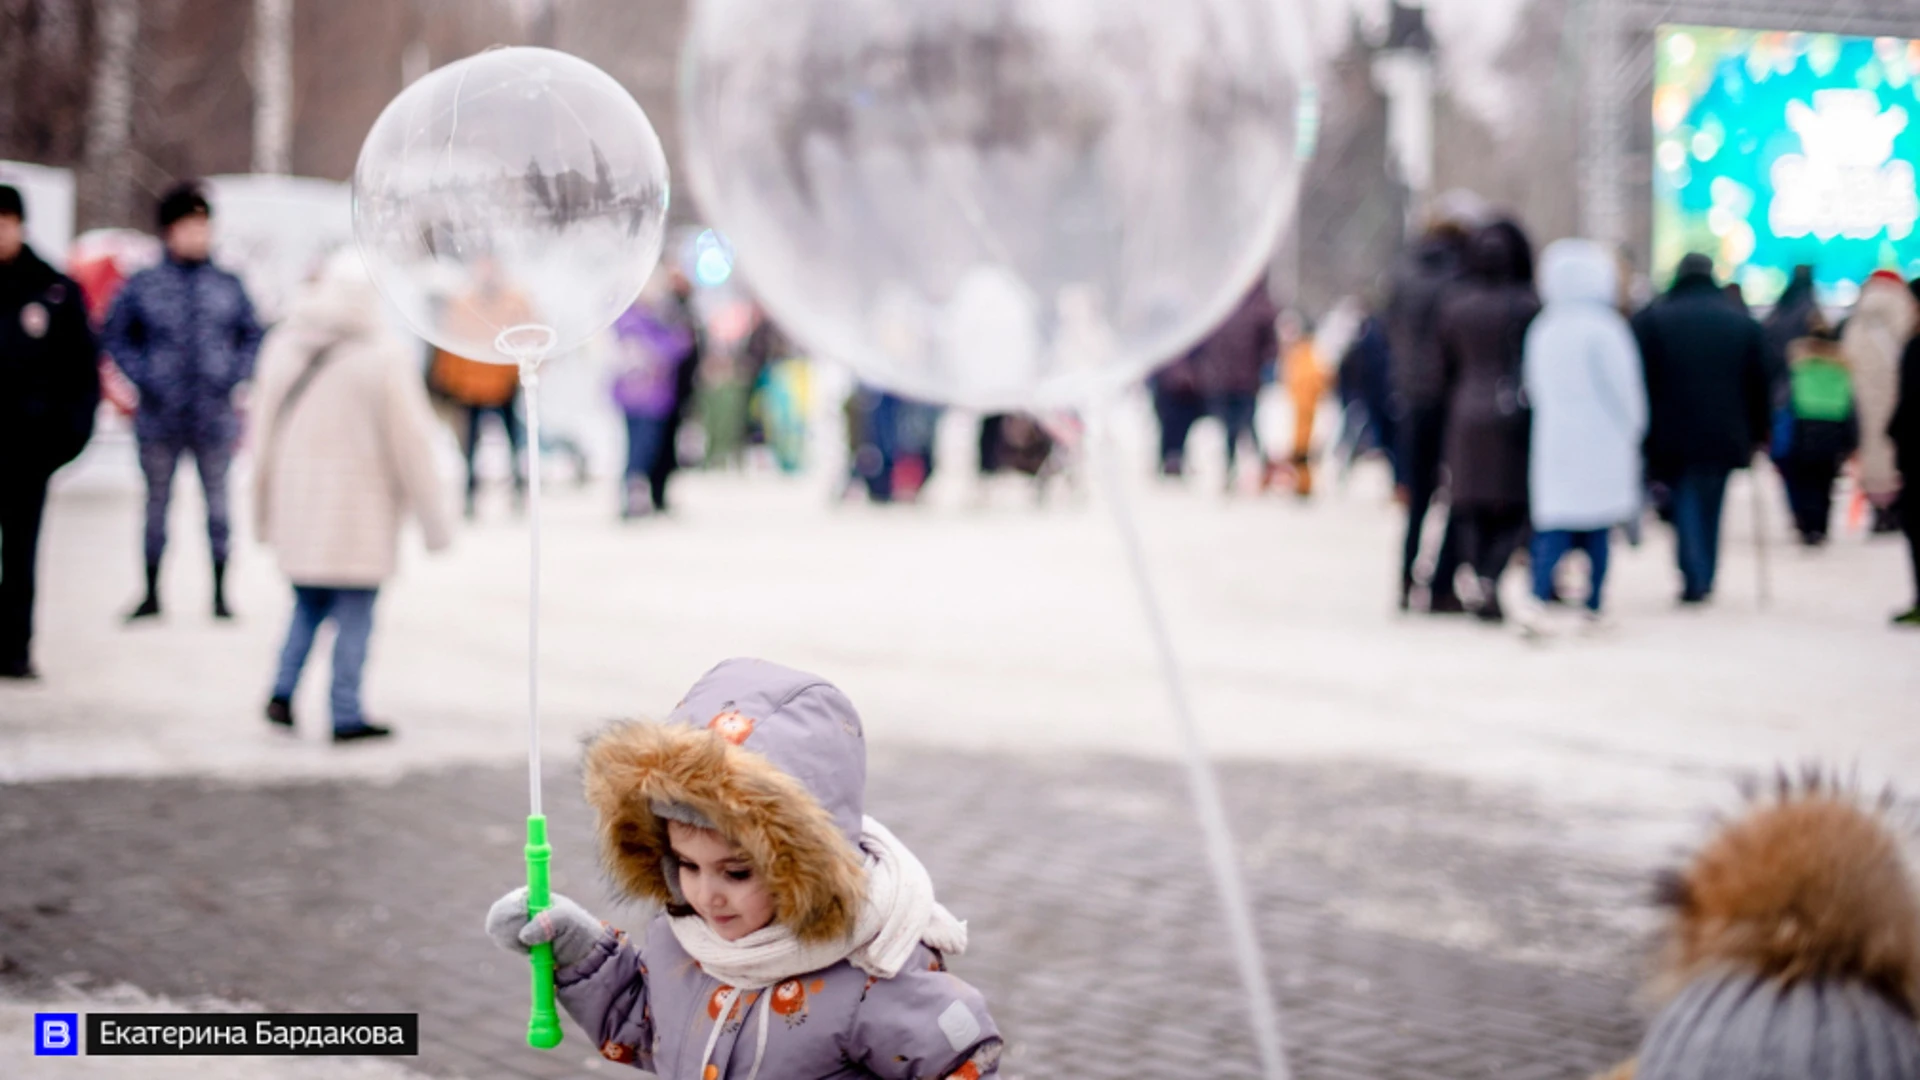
(566, 925)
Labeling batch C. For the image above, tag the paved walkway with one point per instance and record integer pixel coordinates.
(1448, 830)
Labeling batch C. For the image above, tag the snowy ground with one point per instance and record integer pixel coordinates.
(980, 623)
(991, 626)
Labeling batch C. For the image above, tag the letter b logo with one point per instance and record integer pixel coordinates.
(56, 1034)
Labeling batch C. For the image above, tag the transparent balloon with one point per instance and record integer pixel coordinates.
(512, 204)
(998, 203)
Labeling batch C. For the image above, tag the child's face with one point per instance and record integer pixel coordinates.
(718, 882)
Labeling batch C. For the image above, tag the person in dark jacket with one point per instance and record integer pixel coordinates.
(1228, 365)
(185, 335)
(49, 390)
(1419, 400)
(1483, 329)
(1904, 430)
(1711, 396)
(666, 462)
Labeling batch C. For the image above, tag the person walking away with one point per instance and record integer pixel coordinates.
(1825, 429)
(1483, 326)
(1177, 405)
(1419, 282)
(650, 347)
(1872, 342)
(184, 333)
(1903, 429)
(345, 455)
(1582, 376)
(685, 380)
(1366, 395)
(1790, 320)
(482, 388)
(49, 392)
(1710, 399)
(1227, 366)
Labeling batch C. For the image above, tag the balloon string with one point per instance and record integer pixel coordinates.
(1221, 852)
(530, 381)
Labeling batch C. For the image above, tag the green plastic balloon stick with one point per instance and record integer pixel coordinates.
(543, 1026)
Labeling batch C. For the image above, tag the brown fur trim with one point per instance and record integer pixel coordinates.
(813, 873)
(1808, 884)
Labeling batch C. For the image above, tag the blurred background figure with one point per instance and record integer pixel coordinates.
(1420, 279)
(651, 345)
(1365, 382)
(1710, 398)
(1482, 327)
(345, 456)
(184, 334)
(1824, 432)
(678, 309)
(49, 391)
(1177, 406)
(1228, 365)
(1904, 430)
(1588, 399)
(1872, 341)
(1306, 382)
(481, 389)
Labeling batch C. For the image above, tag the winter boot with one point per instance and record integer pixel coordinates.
(150, 606)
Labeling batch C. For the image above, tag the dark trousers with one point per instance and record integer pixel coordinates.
(1235, 413)
(1910, 524)
(1177, 414)
(1699, 492)
(1423, 437)
(1489, 535)
(159, 457)
(1552, 545)
(23, 500)
(510, 423)
(1820, 448)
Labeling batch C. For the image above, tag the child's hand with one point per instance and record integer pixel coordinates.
(566, 925)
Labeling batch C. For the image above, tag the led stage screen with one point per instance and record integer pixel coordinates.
(1773, 149)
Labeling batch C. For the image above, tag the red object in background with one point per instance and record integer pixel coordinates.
(100, 261)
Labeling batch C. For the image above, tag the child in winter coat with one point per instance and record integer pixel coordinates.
(1825, 430)
(800, 940)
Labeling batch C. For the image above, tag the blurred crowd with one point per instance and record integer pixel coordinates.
(1525, 414)
(1528, 411)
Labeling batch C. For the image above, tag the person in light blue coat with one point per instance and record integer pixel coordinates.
(1584, 380)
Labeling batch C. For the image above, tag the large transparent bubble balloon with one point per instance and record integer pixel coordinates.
(995, 202)
(511, 205)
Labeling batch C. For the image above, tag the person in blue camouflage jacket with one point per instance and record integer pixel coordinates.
(185, 334)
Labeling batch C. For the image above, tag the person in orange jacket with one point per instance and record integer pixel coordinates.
(1306, 381)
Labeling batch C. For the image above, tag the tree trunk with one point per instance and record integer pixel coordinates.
(272, 86)
(110, 126)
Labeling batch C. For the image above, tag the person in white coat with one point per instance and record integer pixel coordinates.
(1582, 374)
(1871, 343)
(343, 456)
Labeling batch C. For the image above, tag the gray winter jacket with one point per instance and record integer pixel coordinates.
(776, 759)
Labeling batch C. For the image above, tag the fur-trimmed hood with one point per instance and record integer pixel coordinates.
(775, 759)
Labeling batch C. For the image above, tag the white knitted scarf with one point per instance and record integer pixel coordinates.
(899, 914)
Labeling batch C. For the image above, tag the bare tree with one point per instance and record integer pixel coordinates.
(272, 85)
(110, 125)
